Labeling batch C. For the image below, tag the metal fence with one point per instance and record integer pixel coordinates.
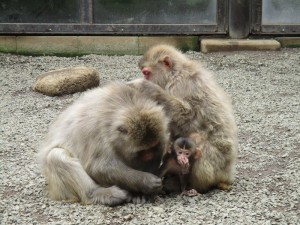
(143, 17)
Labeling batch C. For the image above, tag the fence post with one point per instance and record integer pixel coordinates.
(239, 18)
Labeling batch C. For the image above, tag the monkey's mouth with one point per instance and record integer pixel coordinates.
(147, 77)
(148, 154)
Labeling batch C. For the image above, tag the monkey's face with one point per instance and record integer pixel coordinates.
(144, 155)
(184, 149)
(143, 136)
(183, 155)
(157, 74)
(156, 69)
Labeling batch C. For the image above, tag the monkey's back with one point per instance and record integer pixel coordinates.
(87, 125)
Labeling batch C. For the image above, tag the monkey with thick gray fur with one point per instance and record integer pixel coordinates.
(196, 104)
(105, 147)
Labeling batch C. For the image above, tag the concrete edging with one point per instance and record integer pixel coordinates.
(81, 45)
(132, 45)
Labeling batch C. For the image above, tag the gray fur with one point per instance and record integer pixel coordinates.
(91, 151)
(195, 103)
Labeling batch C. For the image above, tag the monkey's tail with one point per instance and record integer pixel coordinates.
(68, 180)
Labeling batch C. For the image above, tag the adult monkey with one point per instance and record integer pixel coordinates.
(104, 147)
(195, 103)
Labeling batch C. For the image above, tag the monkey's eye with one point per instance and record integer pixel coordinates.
(180, 153)
(186, 153)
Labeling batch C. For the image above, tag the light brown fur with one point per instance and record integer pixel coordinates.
(98, 149)
(196, 104)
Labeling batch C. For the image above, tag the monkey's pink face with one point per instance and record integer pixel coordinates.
(155, 70)
(183, 156)
(147, 73)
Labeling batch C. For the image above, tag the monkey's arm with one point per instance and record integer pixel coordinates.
(183, 181)
(172, 105)
(113, 172)
(164, 168)
(169, 165)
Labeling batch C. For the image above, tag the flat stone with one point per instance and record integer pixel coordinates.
(216, 45)
(67, 81)
(289, 42)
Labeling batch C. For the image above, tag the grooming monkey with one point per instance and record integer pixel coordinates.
(105, 147)
(178, 162)
(195, 103)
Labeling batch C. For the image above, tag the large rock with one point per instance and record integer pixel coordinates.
(67, 81)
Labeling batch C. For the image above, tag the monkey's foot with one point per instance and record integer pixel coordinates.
(157, 199)
(190, 193)
(109, 196)
(224, 186)
(137, 199)
(73, 200)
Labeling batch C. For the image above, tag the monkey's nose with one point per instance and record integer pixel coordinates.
(146, 71)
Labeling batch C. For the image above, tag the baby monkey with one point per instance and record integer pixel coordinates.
(179, 160)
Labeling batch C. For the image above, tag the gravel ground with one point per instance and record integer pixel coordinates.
(265, 87)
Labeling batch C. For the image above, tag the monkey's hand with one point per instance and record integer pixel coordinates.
(183, 161)
(184, 164)
(148, 89)
(222, 145)
(117, 173)
(152, 184)
(190, 193)
(136, 83)
(172, 105)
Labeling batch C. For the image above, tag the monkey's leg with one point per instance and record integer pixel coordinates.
(226, 148)
(224, 186)
(69, 181)
(183, 181)
(214, 168)
(172, 184)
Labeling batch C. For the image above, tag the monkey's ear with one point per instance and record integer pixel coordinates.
(122, 129)
(198, 153)
(167, 61)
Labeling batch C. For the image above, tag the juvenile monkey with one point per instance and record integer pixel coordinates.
(105, 147)
(178, 161)
(195, 103)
